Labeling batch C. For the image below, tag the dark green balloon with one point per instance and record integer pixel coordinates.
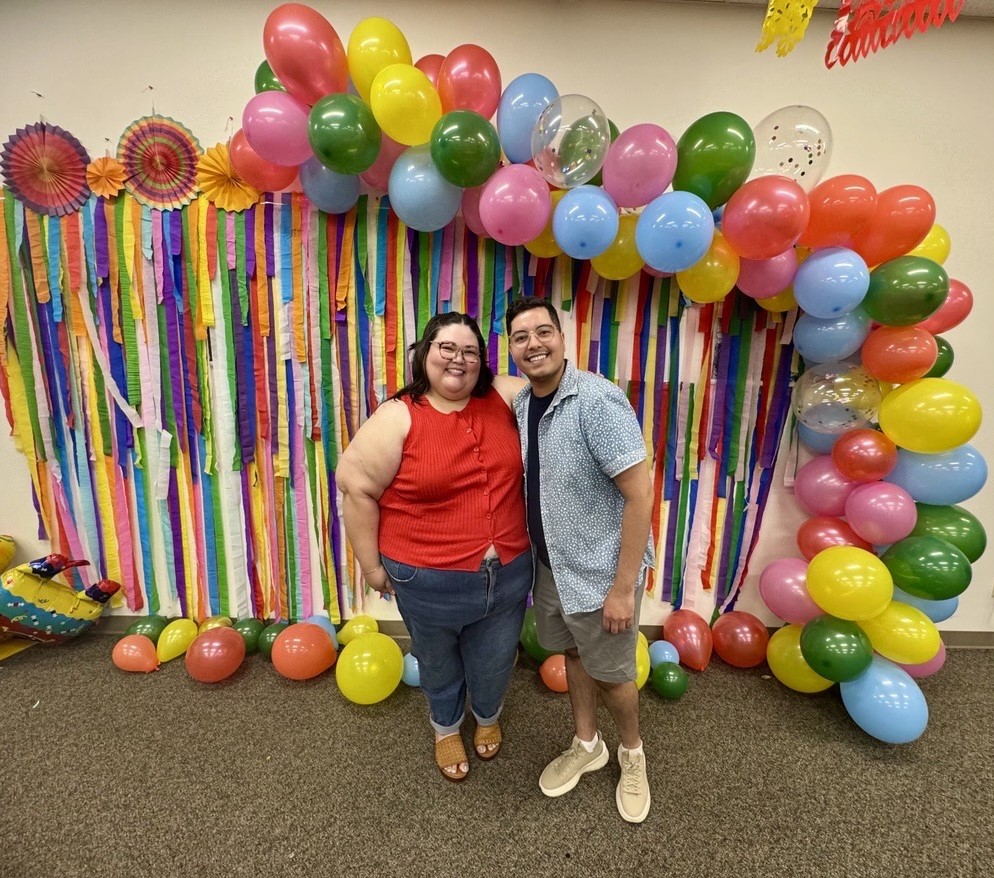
(268, 635)
(465, 148)
(150, 626)
(529, 638)
(905, 291)
(837, 649)
(928, 567)
(669, 680)
(598, 178)
(714, 157)
(265, 79)
(343, 133)
(944, 361)
(954, 525)
(251, 630)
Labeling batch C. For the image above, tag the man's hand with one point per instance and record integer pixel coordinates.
(378, 580)
(619, 609)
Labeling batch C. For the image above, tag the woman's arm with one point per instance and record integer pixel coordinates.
(508, 387)
(365, 470)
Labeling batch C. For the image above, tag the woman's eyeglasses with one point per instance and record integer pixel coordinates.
(543, 333)
(449, 351)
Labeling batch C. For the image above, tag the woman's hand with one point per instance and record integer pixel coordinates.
(378, 580)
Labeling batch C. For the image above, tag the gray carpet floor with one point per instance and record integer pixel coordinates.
(109, 774)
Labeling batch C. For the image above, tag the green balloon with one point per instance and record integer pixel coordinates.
(343, 133)
(529, 638)
(954, 525)
(150, 626)
(714, 157)
(265, 79)
(928, 567)
(251, 630)
(268, 635)
(837, 649)
(465, 148)
(669, 680)
(905, 291)
(944, 361)
(598, 178)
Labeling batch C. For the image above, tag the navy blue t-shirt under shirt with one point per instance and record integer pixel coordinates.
(537, 406)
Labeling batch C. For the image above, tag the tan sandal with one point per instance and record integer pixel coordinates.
(487, 736)
(450, 753)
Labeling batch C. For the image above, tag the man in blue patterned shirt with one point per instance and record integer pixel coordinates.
(589, 500)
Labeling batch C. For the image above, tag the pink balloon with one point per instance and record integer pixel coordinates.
(783, 586)
(821, 489)
(305, 53)
(639, 165)
(515, 204)
(654, 272)
(255, 170)
(275, 125)
(377, 175)
(823, 532)
(691, 636)
(429, 66)
(469, 79)
(765, 278)
(926, 669)
(471, 210)
(765, 216)
(881, 512)
(952, 312)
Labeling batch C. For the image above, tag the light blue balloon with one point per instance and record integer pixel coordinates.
(886, 703)
(327, 624)
(662, 651)
(941, 479)
(411, 674)
(327, 189)
(831, 282)
(522, 103)
(821, 341)
(815, 440)
(937, 611)
(585, 222)
(674, 231)
(419, 194)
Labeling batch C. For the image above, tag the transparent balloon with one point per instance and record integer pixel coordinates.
(835, 397)
(570, 141)
(794, 142)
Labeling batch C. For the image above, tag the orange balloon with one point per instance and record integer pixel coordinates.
(840, 207)
(903, 217)
(135, 652)
(302, 651)
(899, 354)
(691, 636)
(215, 654)
(553, 673)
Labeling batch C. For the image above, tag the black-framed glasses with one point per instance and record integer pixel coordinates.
(449, 350)
(544, 333)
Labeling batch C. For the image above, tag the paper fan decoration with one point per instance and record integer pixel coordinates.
(105, 176)
(219, 182)
(45, 167)
(160, 162)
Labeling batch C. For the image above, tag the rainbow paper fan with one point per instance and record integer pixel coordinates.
(45, 167)
(160, 161)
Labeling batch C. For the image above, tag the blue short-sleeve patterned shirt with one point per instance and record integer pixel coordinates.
(587, 437)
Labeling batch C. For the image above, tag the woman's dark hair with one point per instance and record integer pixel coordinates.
(519, 306)
(419, 384)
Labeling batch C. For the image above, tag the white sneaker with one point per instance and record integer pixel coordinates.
(632, 794)
(565, 771)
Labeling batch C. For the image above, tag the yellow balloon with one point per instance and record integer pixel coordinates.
(784, 301)
(903, 634)
(175, 638)
(783, 655)
(930, 415)
(850, 583)
(544, 245)
(621, 259)
(214, 622)
(642, 664)
(8, 548)
(712, 277)
(375, 43)
(356, 627)
(643, 642)
(405, 104)
(369, 668)
(936, 245)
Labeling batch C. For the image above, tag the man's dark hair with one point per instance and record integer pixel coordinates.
(519, 306)
(419, 384)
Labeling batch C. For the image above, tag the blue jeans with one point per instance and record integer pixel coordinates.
(464, 631)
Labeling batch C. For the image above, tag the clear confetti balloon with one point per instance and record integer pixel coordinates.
(836, 397)
(794, 142)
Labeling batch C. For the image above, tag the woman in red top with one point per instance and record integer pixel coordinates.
(434, 509)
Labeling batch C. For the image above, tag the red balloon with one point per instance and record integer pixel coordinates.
(429, 66)
(765, 217)
(254, 169)
(864, 455)
(952, 312)
(740, 639)
(215, 655)
(903, 217)
(377, 175)
(135, 652)
(691, 636)
(305, 52)
(553, 673)
(469, 79)
(302, 651)
(899, 354)
(471, 210)
(840, 207)
(825, 531)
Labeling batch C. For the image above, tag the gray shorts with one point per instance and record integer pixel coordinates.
(607, 657)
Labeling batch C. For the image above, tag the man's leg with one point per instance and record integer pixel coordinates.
(622, 702)
(582, 696)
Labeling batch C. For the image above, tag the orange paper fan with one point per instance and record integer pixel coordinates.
(218, 181)
(105, 176)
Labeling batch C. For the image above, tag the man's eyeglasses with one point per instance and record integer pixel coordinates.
(545, 332)
(449, 351)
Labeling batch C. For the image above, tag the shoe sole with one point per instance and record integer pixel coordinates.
(629, 817)
(598, 763)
